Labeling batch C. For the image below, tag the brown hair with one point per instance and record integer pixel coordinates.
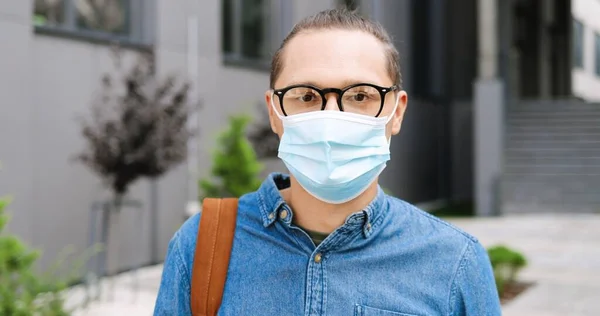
(346, 20)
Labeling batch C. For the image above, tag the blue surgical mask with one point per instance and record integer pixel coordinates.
(334, 155)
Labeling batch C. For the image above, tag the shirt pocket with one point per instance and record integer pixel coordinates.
(363, 310)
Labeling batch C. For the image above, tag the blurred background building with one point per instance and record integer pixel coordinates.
(586, 48)
(501, 102)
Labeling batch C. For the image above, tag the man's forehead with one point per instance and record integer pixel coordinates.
(337, 57)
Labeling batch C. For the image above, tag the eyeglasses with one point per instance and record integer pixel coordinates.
(361, 98)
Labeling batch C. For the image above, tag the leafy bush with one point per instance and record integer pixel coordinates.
(235, 167)
(138, 126)
(506, 264)
(25, 292)
(22, 291)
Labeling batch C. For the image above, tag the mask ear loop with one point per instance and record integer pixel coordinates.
(389, 118)
(273, 105)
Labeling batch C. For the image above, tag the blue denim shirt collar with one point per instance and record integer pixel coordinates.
(271, 203)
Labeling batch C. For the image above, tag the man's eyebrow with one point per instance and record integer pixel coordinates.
(344, 84)
(306, 83)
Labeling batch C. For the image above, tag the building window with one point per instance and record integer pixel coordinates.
(111, 20)
(247, 32)
(577, 44)
(597, 54)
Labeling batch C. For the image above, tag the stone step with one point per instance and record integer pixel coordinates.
(565, 148)
(541, 207)
(580, 190)
(567, 152)
(564, 127)
(545, 160)
(535, 136)
(555, 129)
(557, 169)
(570, 115)
(552, 157)
(549, 197)
(557, 161)
(552, 106)
(559, 143)
(551, 152)
(549, 122)
(587, 179)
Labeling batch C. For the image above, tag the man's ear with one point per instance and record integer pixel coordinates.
(273, 118)
(399, 113)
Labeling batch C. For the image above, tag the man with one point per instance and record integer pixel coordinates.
(326, 240)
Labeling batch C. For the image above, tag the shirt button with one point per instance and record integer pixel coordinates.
(318, 258)
(283, 214)
(368, 226)
(272, 216)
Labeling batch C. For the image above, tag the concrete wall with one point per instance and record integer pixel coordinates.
(586, 83)
(461, 145)
(46, 82)
(413, 174)
(64, 189)
(16, 117)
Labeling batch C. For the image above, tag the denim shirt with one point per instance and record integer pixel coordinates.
(390, 259)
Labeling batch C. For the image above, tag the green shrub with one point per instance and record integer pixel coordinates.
(22, 291)
(236, 169)
(506, 263)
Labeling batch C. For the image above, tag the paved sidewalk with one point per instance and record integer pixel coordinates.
(564, 259)
(119, 297)
(563, 253)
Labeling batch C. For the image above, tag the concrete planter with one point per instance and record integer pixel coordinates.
(106, 228)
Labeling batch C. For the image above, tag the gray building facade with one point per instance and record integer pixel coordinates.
(459, 68)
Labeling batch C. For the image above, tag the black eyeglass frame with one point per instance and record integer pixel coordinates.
(382, 91)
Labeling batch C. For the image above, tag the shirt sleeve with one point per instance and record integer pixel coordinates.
(174, 291)
(473, 292)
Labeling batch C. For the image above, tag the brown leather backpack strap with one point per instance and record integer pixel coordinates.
(211, 259)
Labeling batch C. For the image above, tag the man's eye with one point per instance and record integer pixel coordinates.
(360, 97)
(307, 97)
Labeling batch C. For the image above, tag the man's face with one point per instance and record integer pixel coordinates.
(337, 59)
